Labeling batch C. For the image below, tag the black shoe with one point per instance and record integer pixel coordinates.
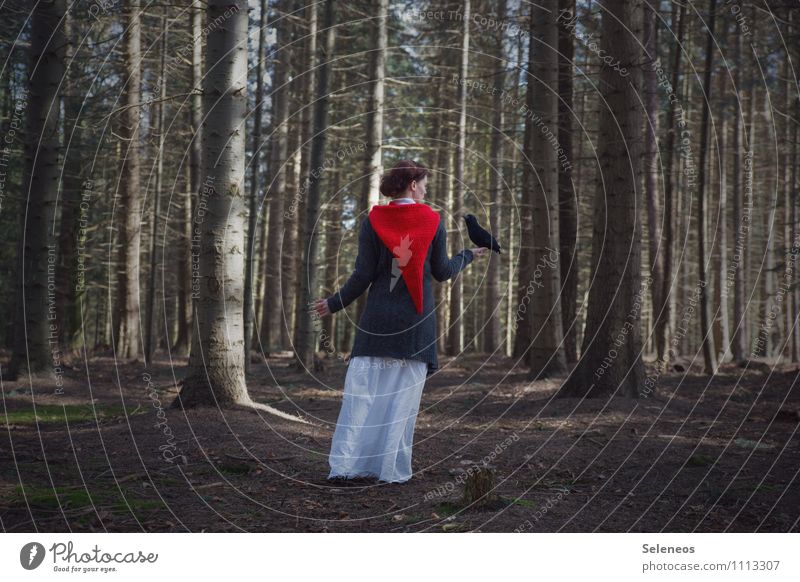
(343, 481)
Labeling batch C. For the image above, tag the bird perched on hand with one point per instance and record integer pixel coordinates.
(479, 235)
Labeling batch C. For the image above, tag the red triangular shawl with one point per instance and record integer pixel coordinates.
(407, 231)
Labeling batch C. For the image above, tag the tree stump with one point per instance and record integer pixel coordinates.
(478, 487)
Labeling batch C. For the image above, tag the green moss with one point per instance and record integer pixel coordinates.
(48, 498)
(73, 497)
(74, 413)
(699, 460)
(447, 508)
(525, 502)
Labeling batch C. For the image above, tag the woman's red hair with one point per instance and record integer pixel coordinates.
(396, 180)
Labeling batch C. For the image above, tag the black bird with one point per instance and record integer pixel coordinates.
(479, 235)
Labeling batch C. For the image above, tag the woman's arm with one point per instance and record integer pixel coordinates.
(364, 273)
(442, 267)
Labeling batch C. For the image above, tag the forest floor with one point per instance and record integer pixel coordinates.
(719, 455)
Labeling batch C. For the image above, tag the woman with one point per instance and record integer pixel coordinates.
(400, 246)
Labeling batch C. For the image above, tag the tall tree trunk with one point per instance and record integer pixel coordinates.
(651, 173)
(36, 348)
(300, 146)
(272, 336)
(152, 304)
(441, 179)
(567, 193)
(186, 311)
(129, 335)
(377, 77)
(333, 240)
(662, 324)
(261, 277)
(739, 343)
(68, 290)
(306, 338)
(706, 336)
(546, 356)
(769, 322)
(721, 322)
(750, 315)
(493, 304)
(610, 362)
(255, 187)
(522, 314)
(216, 365)
(455, 342)
(794, 108)
(514, 315)
(370, 194)
(790, 252)
(183, 267)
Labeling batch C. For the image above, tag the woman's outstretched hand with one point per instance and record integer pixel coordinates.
(321, 307)
(479, 251)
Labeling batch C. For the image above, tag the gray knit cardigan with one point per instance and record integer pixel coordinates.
(390, 325)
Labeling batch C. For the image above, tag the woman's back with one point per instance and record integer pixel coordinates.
(393, 323)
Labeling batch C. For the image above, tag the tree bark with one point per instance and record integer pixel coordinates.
(255, 187)
(790, 251)
(706, 337)
(546, 356)
(567, 192)
(129, 336)
(455, 342)
(306, 338)
(300, 146)
(71, 258)
(610, 362)
(272, 336)
(662, 323)
(186, 310)
(152, 304)
(651, 175)
(370, 196)
(493, 304)
(521, 315)
(377, 74)
(739, 343)
(721, 321)
(36, 349)
(794, 107)
(216, 365)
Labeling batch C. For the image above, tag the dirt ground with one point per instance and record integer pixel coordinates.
(110, 455)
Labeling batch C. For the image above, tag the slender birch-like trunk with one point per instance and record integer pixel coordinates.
(274, 320)
(307, 336)
(129, 210)
(492, 339)
(255, 174)
(455, 342)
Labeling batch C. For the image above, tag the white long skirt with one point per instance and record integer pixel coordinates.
(375, 430)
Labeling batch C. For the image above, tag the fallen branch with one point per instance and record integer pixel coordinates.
(250, 404)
